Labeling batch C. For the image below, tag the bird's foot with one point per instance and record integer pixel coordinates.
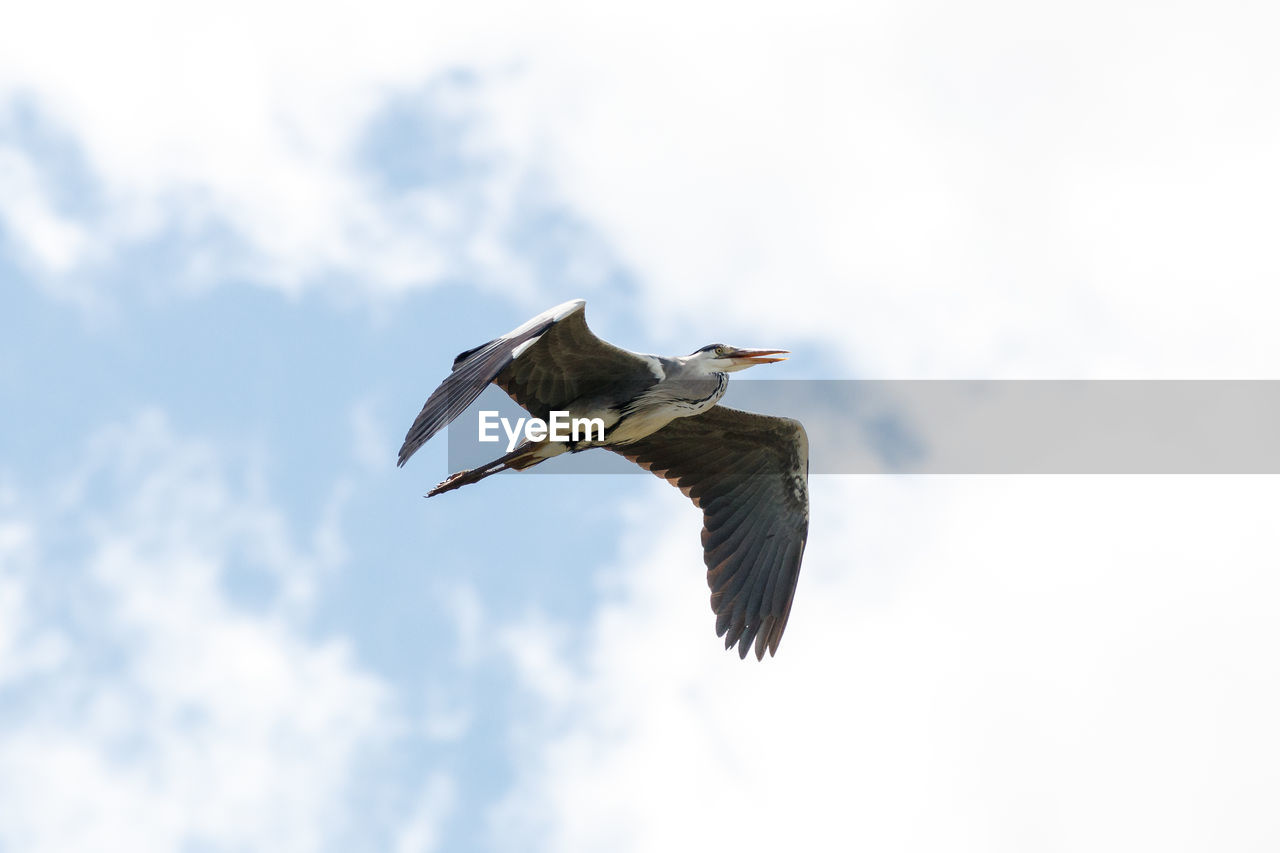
(451, 482)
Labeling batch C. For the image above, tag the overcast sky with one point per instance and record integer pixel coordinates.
(240, 244)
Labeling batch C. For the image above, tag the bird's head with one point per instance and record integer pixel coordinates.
(722, 358)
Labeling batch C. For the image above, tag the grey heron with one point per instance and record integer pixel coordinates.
(749, 473)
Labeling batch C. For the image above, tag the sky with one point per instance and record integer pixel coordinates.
(240, 244)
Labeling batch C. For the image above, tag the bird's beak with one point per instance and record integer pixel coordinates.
(758, 356)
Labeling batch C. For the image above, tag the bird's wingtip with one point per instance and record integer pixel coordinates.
(564, 309)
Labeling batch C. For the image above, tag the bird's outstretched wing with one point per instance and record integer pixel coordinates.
(569, 363)
(547, 363)
(749, 474)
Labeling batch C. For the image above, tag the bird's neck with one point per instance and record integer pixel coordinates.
(699, 369)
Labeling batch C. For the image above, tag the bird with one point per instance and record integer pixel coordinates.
(747, 472)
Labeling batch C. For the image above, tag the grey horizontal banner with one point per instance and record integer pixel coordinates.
(979, 427)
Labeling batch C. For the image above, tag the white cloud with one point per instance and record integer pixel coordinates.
(421, 833)
(247, 124)
(53, 241)
(929, 190)
(26, 647)
(170, 712)
(1078, 663)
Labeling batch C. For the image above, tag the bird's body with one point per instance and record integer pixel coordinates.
(679, 390)
(748, 472)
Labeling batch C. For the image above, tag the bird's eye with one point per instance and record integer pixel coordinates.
(721, 351)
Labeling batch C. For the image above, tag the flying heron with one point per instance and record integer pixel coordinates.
(748, 473)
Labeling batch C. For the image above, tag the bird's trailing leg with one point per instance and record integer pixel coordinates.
(525, 456)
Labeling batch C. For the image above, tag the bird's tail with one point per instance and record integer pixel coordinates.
(525, 456)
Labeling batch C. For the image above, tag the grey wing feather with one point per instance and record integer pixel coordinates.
(472, 371)
(749, 474)
(545, 364)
